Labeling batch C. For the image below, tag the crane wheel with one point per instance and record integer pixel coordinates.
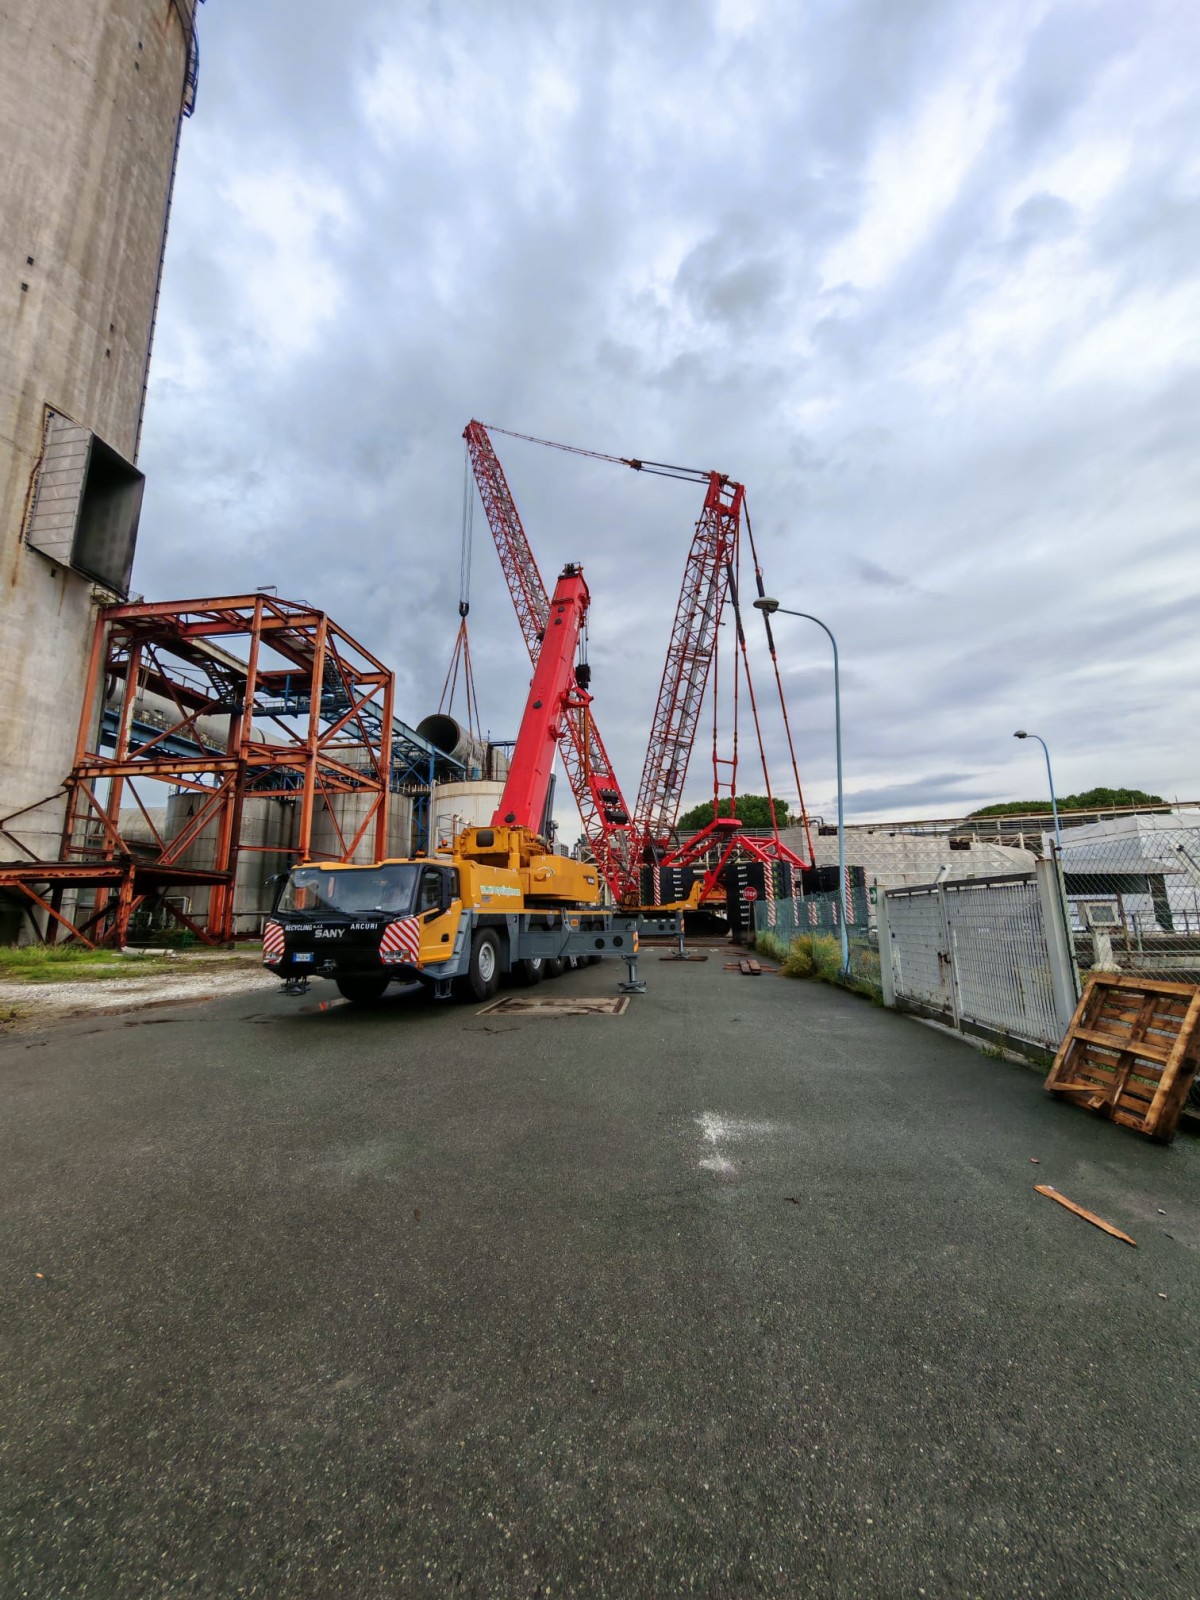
(483, 973)
(529, 971)
(362, 991)
(552, 968)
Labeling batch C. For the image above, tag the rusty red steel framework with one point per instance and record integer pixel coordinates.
(307, 714)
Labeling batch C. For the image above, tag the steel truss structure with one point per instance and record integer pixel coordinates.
(620, 840)
(304, 711)
(605, 817)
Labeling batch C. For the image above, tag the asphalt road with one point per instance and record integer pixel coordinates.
(744, 1292)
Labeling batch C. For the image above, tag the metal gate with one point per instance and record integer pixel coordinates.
(975, 952)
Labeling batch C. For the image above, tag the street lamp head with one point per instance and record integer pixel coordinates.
(767, 604)
(1020, 734)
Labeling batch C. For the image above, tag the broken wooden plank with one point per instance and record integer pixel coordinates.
(1052, 1193)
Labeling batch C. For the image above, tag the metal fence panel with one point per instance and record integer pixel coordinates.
(920, 960)
(975, 952)
(1000, 959)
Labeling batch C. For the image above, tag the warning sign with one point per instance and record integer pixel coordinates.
(749, 892)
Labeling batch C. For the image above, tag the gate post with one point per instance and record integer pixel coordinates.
(887, 978)
(1064, 977)
(947, 957)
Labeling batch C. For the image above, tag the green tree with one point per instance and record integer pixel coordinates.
(1087, 800)
(753, 811)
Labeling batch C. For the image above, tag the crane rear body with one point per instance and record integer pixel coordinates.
(503, 901)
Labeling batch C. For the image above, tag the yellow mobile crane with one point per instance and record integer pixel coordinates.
(503, 901)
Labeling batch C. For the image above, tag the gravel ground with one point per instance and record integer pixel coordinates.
(199, 978)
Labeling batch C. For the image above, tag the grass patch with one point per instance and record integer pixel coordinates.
(769, 944)
(71, 963)
(819, 956)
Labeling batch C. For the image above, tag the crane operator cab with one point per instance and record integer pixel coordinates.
(364, 926)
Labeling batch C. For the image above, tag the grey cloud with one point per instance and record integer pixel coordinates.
(949, 788)
(1066, 52)
(1042, 217)
(875, 573)
(636, 274)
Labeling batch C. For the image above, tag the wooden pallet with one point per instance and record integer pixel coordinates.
(1131, 1052)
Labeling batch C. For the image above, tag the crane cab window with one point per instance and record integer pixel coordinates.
(349, 889)
(429, 896)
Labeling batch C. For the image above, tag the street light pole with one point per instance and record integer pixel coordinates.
(1021, 734)
(770, 606)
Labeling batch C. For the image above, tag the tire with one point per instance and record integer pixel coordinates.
(552, 968)
(594, 961)
(363, 991)
(529, 971)
(483, 973)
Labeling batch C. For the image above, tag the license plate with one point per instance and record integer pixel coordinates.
(302, 956)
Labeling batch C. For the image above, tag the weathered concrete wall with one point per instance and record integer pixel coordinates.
(91, 93)
(898, 860)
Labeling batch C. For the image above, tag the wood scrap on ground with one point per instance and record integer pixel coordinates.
(1052, 1193)
(1131, 1052)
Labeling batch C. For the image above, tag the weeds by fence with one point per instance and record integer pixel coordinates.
(805, 954)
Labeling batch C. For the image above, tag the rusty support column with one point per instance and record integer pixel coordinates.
(312, 744)
(385, 761)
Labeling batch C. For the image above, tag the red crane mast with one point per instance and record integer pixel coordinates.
(602, 810)
(553, 694)
(689, 660)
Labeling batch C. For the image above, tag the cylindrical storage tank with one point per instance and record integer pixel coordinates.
(268, 826)
(91, 97)
(181, 808)
(399, 828)
(349, 812)
(455, 806)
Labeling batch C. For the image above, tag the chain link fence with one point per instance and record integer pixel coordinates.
(814, 921)
(977, 954)
(1131, 890)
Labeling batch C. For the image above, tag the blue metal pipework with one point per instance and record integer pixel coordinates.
(414, 759)
(141, 733)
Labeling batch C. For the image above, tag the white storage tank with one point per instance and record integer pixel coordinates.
(268, 829)
(400, 822)
(455, 806)
(349, 812)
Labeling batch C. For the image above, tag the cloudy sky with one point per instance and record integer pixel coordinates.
(924, 276)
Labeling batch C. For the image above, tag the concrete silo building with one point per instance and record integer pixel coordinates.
(92, 96)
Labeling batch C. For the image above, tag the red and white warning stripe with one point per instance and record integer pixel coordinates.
(272, 944)
(401, 942)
